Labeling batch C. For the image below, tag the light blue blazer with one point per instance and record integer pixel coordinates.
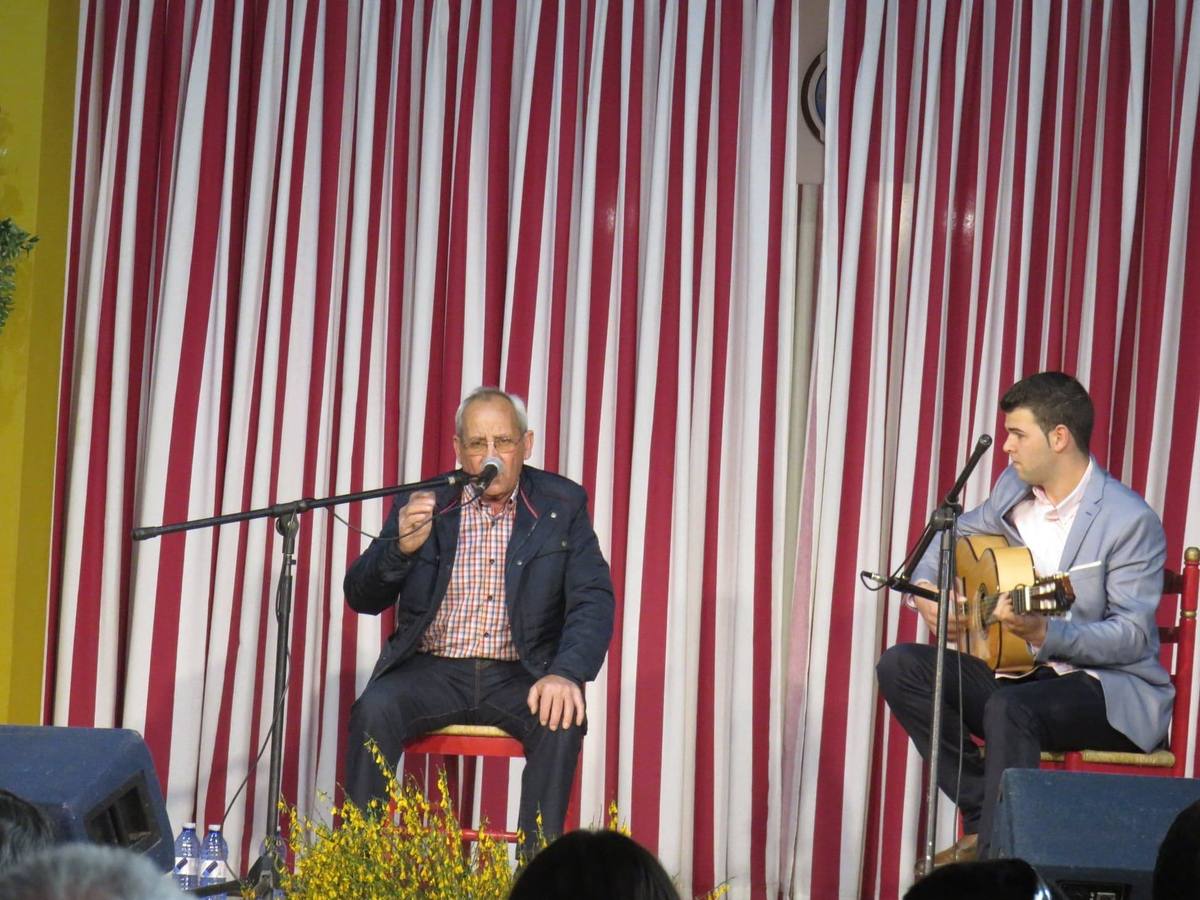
(1111, 629)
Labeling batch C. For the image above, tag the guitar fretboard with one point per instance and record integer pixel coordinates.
(1046, 599)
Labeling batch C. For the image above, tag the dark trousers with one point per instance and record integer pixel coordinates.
(427, 692)
(1018, 718)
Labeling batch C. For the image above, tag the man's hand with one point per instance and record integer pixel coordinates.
(415, 521)
(929, 612)
(556, 701)
(1029, 627)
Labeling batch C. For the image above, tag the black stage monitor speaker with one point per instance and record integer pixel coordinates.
(94, 784)
(1094, 837)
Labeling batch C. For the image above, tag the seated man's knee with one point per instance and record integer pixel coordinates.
(564, 740)
(895, 664)
(373, 713)
(887, 664)
(997, 707)
(1005, 710)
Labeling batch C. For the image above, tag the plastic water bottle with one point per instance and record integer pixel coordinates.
(214, 858)
(187, 858)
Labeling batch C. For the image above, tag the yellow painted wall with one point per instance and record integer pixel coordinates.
(37, 96)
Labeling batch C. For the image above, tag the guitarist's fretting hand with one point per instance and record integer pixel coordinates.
(928, 609)
(1029, 627)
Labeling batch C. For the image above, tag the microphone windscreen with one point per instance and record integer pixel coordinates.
(492, 467)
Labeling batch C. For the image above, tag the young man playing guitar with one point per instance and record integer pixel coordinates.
(1097, 682)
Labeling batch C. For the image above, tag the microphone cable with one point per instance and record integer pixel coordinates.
(399, 537)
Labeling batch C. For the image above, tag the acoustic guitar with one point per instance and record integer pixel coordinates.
(988, 567)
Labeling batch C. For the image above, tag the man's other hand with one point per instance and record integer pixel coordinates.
(415, 522)
(929, 612)
(556, 701)
(1029, 627)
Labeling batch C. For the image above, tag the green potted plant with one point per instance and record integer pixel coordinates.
(15, 241)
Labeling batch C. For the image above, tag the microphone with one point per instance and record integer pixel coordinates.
(897, 584)
(981, 446)
(492, 466)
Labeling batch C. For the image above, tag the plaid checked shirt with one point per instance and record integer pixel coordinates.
(473, 618)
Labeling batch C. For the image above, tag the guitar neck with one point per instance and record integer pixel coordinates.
(1051, 597)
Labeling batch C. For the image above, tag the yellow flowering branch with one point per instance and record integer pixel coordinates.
(406, 846)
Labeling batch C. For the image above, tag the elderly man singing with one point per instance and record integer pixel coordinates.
(504, 609)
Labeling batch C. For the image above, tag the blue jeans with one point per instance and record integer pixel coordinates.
(427, 692)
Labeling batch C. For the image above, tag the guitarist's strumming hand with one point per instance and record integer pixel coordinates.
(955, 626)
(1029, 627)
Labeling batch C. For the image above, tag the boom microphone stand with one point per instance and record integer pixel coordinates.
(265, 871)
(944, 521)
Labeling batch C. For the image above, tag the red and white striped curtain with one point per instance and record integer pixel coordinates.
(1010, 187)
(300, 232)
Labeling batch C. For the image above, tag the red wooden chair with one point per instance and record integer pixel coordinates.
(482, 741)
(470, 740)
(1171, 760)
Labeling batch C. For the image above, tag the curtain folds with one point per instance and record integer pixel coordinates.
(300, 232)
(1010, 187)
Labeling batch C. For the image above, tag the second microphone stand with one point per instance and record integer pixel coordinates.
(944, 521)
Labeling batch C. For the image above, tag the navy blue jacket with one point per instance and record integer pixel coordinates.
(556, 581)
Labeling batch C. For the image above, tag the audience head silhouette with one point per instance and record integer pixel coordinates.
(86, 872)
(1177, 869)
(23, 829)
(594, 865)
(995, 879)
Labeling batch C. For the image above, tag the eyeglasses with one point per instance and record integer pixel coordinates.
(501, 444)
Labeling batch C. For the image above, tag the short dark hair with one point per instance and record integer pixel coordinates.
(993, 879)
(1177, 868)
(1054, 398)
(594, 865)
(24, 829)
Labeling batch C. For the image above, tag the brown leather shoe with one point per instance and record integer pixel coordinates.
(965, 849)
